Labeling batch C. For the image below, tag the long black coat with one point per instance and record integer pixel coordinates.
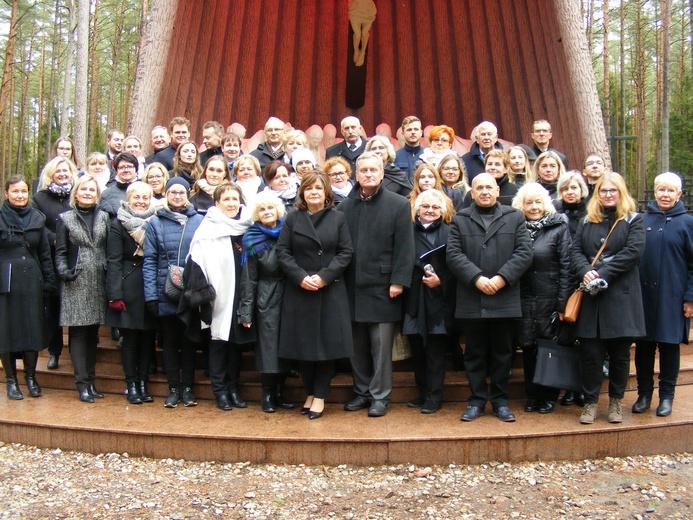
(575, 212)
(616, 312)
(396, 180)
(546, 285)
(666, 272)
(51, 205)
(505, 249)
(383, 240)
(25, 247)
(124, 281)
(315, 324)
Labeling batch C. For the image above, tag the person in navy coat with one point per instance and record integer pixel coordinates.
(666, 275)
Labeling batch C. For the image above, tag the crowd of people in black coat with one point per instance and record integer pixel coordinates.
(224, 252)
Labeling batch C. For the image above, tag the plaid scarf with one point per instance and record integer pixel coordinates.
(259, 239)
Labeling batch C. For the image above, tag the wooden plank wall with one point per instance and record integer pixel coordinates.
(454, 62)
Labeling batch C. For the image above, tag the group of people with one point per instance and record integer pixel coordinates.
(310, 263)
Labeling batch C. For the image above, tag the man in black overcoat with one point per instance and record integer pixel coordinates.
(383, 240)
(488, 250)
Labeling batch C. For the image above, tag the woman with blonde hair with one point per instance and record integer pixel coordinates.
(156, 175)
(426, 178)
(547, 171)
(520, 169)
(395, 179)
(97, 169)
(612, 310)
(453, 176)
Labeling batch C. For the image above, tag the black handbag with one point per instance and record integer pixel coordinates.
(173, 285)
(558, 366)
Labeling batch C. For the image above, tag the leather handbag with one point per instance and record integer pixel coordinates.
(558, 366)
(173, 285)
(572, 307)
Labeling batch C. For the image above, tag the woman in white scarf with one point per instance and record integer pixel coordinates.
(212, 281)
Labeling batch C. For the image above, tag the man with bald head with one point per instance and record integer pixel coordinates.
(352, 146)
(488, 250)
(271, 149)
(486, 137)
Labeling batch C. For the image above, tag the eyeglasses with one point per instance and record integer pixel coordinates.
(440, 140)
(434, 207)
(177, 193)
(451, 169)
(154, 177)
(334, 175)
(611, 192)
(126, 168)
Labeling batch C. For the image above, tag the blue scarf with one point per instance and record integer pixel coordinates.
(259, 239)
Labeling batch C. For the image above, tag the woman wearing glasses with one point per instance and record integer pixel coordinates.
(612, 310)
(440, 140)
(339, 172)
(454, 178)
(125, 166)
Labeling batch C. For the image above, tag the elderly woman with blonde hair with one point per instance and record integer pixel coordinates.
(545, 286)
(262, 292)
(395, 179)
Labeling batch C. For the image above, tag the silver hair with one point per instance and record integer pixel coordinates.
(369, 155)
(572, 175)
(386, 143)
(668, 179)
(533, 189)
(436, 194)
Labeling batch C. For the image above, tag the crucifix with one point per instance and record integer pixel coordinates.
(361, 17)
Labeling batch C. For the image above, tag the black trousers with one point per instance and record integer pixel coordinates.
(594, 351)
(54, 332)
(669, 364)
(488, 351)
(224, 366)
(136, 353)
(316, 376)
(429, 364)
(534, 391)
(83, 343)
(179, 353)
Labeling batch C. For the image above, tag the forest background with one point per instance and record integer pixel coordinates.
(641, 53)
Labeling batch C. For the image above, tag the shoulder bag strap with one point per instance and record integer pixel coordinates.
(601, 249)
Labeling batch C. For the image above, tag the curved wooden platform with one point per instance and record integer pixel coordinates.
(60, 420)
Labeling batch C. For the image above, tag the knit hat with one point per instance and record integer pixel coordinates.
(302, 154)
(178, 180)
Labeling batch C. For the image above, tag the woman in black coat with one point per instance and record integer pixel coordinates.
(80, 261)
(125, 289)
(545, 286)
(612, 316)
(57, 179)
(666, 273)
(26, 274)
(262, 292)
(573, 202)
(314, 249)
(430, 301)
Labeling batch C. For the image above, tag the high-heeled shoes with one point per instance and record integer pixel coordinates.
(313, 414)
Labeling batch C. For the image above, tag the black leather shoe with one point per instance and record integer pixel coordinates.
(664, 408)
(133, 394)
(568, 399)
(267, 403)
(642, 404)
(472, 413)
(188, 397)
(314, 415)
(144, 394)
(34, 388)
(430, 406)
(580, 399)
(94, 392)
(504, 414)
(52, 362)
(223, 403)
(377, 409)
(417, 402)
(305, 410)
(532, 405)
(236, 400)
(173, 398)
(357, 403)
(546, 407)
(279, 400)
(85, 396)
(13, 391)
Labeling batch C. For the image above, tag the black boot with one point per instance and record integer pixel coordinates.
(94, 392)
(268, 405)
(146, 398)
(279, 397)
(30, 361)
(13, 391)
(133, 396)
(84, 394)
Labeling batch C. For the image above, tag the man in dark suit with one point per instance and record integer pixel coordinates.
(541, 138)
(488, 250)
(160, 139)
(271, 149)
(352, 146)
(212, 132)
(383, 240)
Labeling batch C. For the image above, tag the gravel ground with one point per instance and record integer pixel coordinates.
(37, 483)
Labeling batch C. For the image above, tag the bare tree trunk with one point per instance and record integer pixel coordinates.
(622, 64)
(55, 52)
(41, 100)
(590, 24)
(94, 91)
(666, 39)
(582, 79)
(150, 67)
(115, 56)
(606, 93)
(69, 60)
(640, 95)
(80, 124)
(24, 85)
(5, 90)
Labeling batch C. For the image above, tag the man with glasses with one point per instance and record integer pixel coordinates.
(125, 166)
(488, 250)
(412, 149)
(381, 267)
(271, 149)
(486, 135)
(593, 171)
(352, 146)
(541, 137)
